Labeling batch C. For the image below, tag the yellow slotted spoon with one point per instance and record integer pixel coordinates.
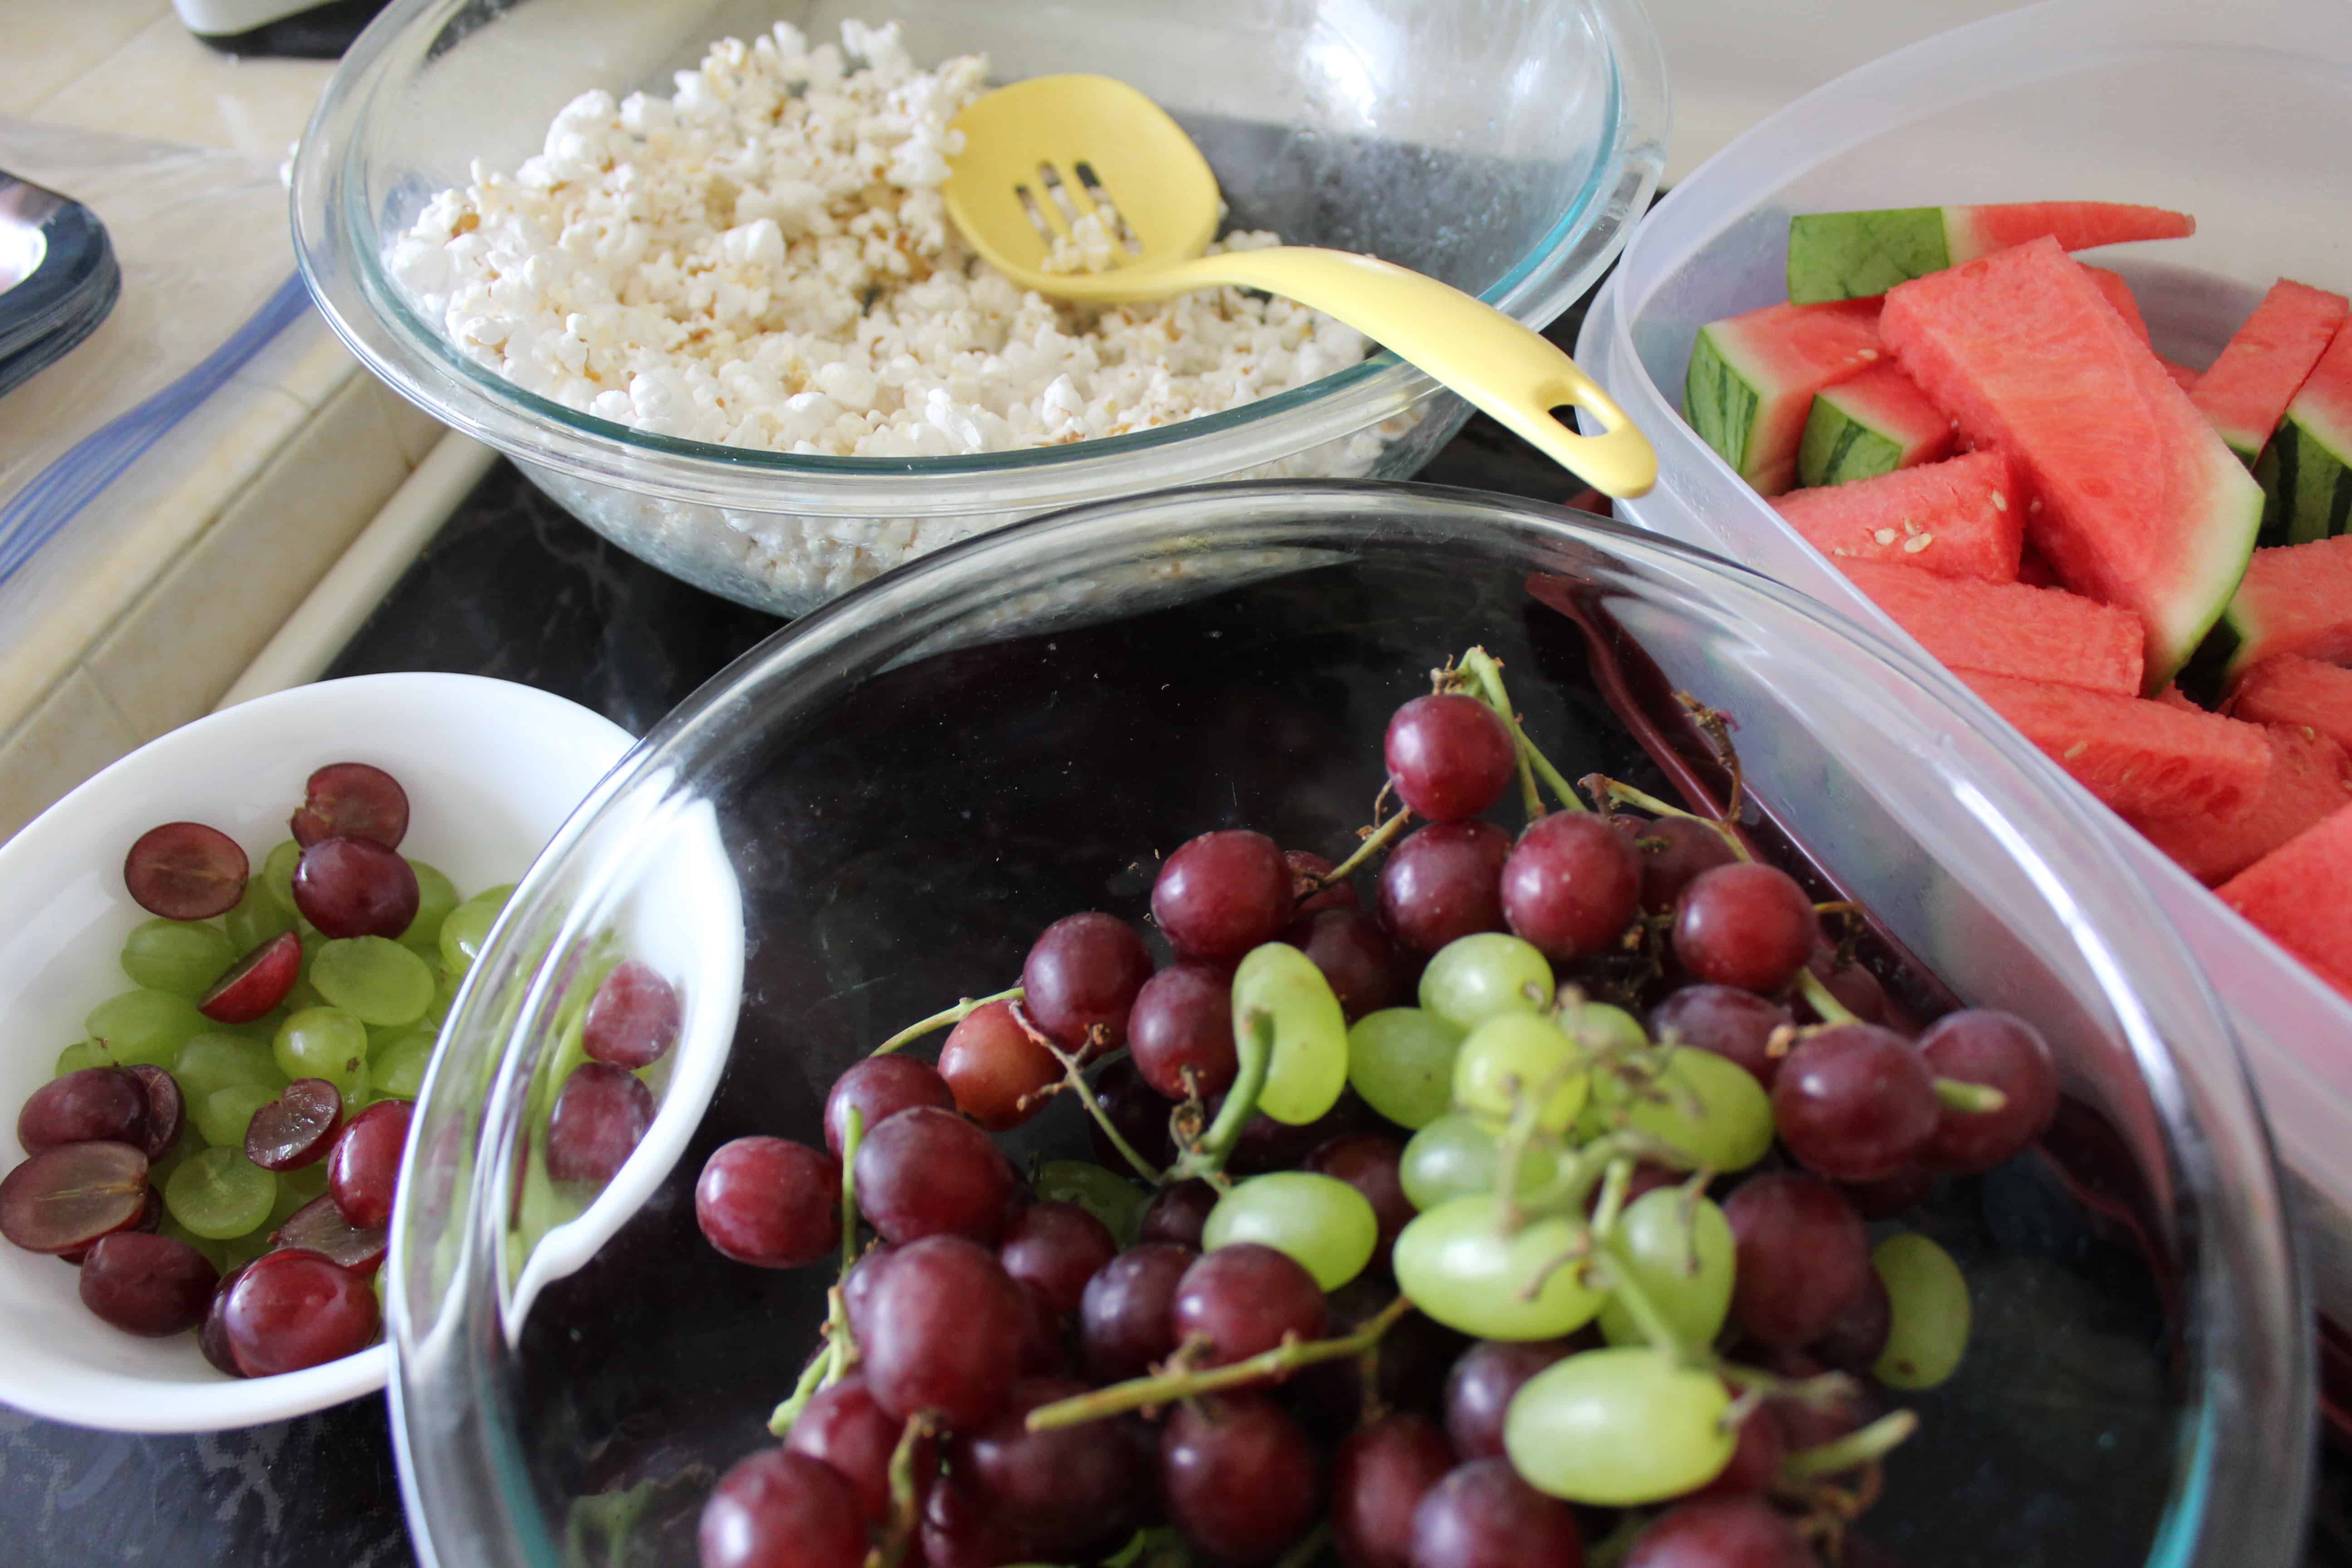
(1038, 152)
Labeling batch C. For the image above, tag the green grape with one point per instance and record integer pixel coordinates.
(259, 916)
(263, 1028)
(374, 979)
(1310, 1035)
(1458, 1266)
(142, 1026)
(214, 1253)
(1928, 1331)
(1679, 1252)
(466, 927)
(397, 1071)
(1616, 1428)
(278, 875)
(79, 1055)
(1454, 1157)
(1602, 1030)
(1474, 978)
(1516, 1057)
(1400, 1059)
(211, 1060)
(1326, 1225)
(1710, 1108)
(328, 1043)
(183, 957)
(222, 1115)
(445, 992)
(1102, 1192)
(436, 895)
(220, 1193)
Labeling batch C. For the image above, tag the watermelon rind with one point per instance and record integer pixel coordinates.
(1752, 378)
(2265, 363)
(1720, 402)
(2306, 470)
(1855, 256)
(1873, 425)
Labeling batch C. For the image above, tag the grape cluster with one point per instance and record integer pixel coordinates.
(1397, 1228)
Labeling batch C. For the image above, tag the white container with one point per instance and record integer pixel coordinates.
(2240, 114)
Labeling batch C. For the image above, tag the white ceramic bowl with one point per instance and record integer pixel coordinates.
(491, 768)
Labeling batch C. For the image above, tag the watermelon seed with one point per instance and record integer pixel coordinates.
(1885, 536)
(1999, 501)
(2077, 748)
(2036, 506)
(1913, 546)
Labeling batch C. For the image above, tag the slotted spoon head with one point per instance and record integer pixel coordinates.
(1043, 152)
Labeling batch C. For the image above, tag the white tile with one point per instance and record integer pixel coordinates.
(418, 432)
(169, 657)
(307, 362)
(163, 85)
(73, 733)
(51, 42)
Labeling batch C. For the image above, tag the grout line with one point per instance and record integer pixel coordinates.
(353, 588)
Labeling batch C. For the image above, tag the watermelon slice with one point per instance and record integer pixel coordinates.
(2182, 377)
(1852, 256)
(2246, 392)
(2307, 467)
(2308, 779)
(2119, 295)
(2295, 599)
(2139, 504)
(2286, 893)
(2008, 628)
(1959, 518)
(2144, 758)
(2301, 693)
(1752, 378)
(1873, 425)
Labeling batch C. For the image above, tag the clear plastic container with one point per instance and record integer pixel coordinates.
(2239, 114)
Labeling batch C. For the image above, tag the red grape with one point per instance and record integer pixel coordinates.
(1045, 1348)
(1064, 1494)
(1266, 1144)
(351, 800)
(769, 1202)
(92, 1105)
(1890, 1197)
(1755, 1461)
(1244, 1299)
(1445, 881)
(1080, 979)
(1731, 1023)
(996, 1071)
(1998, 1050)
(297, 1128)
(1415, 1355)
(1482, 1515)
(365, 1167)
(354, 887)
(781, 1509)
(1369, 1163)
(1183, 1018)
(1056, 1247)
(1307, 870)
(601, 1114)
(880, 1088)
(942, 1333)
(150, 1285)
(166, 1107)
(1801, 1256)
(1178, 1214)
(1748, 924)
(1450, 756)
(1382, 1472)
(634, 1018)
(927, 1172)
(185, 871)
(1358, 961)
(1856, 988)
(1127, 1313)
(292, 1308)
(212, 1334)
(1719, 1532)
(319, 1227)
(959, 1531)
(1223, 893)
(1572, 885)
(1854, 1103)
(1238, 1477)
(1674, 850)
(1135, 1108)
(857, 1285)
(1854, 1339)
(1480, 1388)
(256, 983)
(65, 1198)
(842, 1427)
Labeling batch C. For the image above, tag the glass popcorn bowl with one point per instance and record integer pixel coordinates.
(1505, 150)
(873, 813)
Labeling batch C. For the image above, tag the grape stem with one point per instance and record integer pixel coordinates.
(1614, 1186)
(903, 1500)
(1968, 1099)
(1821, 999)
(853, 1132)
(1167, 1387)
(1488, 672)
(1255, 1050)
(812, 1375)
(1308, 1550)
(1078, 1085)
(1826, 1388)
(1852, 1451)
(1610, 1549)
(946, 1018)
(1628, 1293)
(1603, 787)
(1376, 838)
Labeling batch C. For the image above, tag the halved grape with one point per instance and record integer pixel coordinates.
(321, 1228)
(1928, 1330)
(1327, 1227)
(224, 1114)
(1457, 1265)
(258, 915)
(183, 957)
(469, 926)
(297, 1128)
(212, 1250)
(1400, 1059)
(436, 895)
(1517, 1058)
(94, 1105)
(257, 985)
(65, 1198)
(364, 1164)
(351, 800)
(166, 1107)
(328, 1043)
(1616, 1428)
(1454, 1157)
(1679, 1252)
(142, 1026)
(220, 1193)
(1310, 1035)
(374, 978)
(354, 887)
(397, 1070)
(185, 871)
(1708, 1107)
(1474, 978)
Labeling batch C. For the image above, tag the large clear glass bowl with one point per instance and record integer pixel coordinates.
(1504, 148)
(870, 815)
